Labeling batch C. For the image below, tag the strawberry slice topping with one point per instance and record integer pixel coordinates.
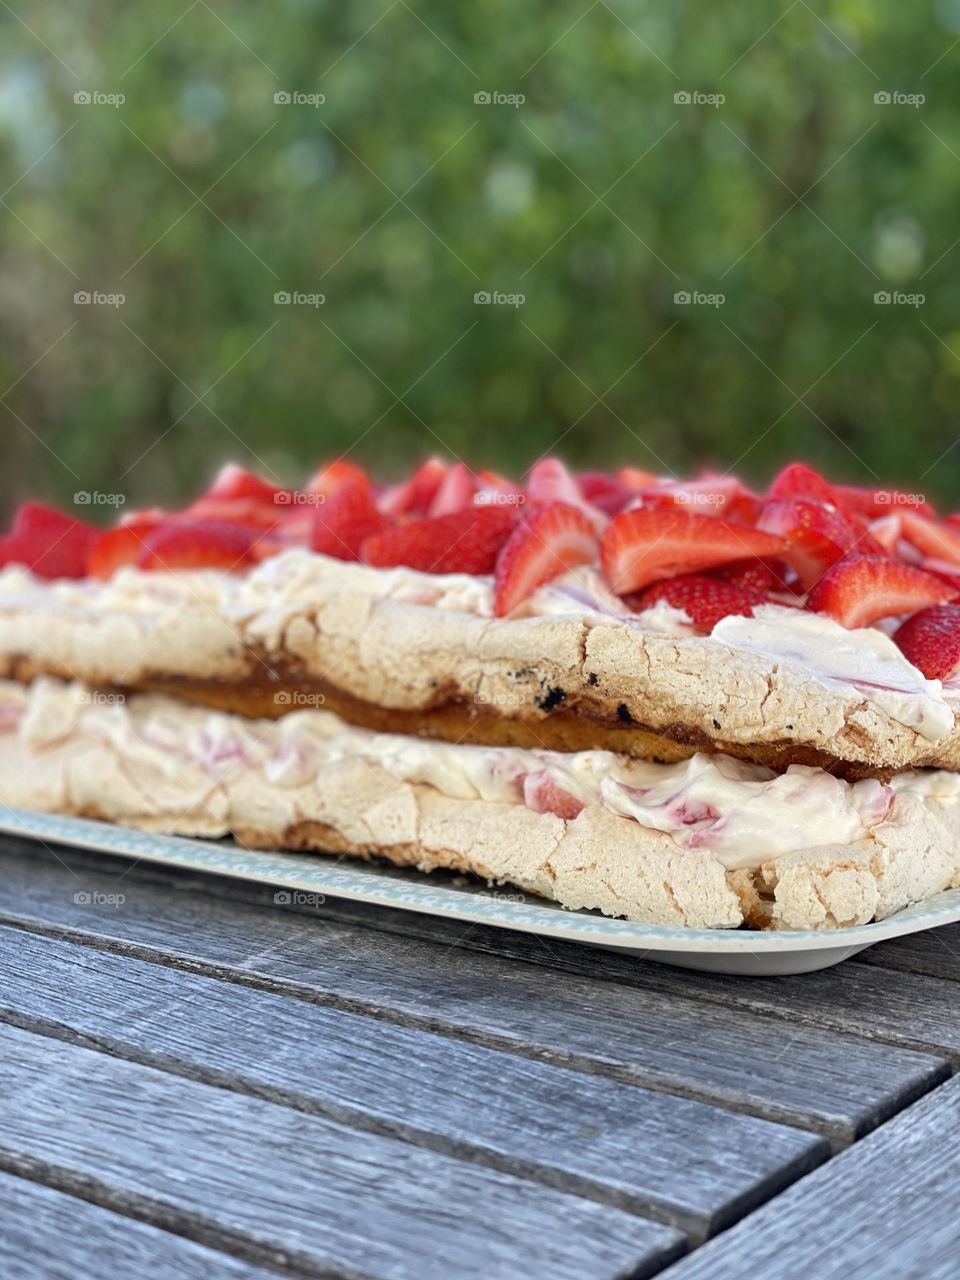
(332, 477)
(238, 494)
(817, 536)
(797, 480)
(547, 541)
(931, 640)
(117, 547)
(872, 503)
(455, 492)
(462, 542)
(704, 600)
(343, 522)
(49, 543)
(199, 544)
(414, 497)
(858, 590)
(934, 538)
(649, 543)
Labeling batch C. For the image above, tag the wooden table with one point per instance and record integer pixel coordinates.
(195, 1082)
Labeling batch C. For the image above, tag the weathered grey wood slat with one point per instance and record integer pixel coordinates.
(579, 1132)
(291, 1189)
(46, 1235)
(887, 1209)
(935, 952)
(836, 1085)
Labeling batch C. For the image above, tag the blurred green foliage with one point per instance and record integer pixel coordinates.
(598, 198)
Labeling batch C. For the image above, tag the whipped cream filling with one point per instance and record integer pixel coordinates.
(711, 805)
(864, 663)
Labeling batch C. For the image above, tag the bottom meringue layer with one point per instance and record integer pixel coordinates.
(708, 842)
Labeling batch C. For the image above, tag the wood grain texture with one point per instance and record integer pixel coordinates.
(887, 1209)
(935, 953)
(46, 1235)
(291, 1189)
(578, 1132)
(654, 1031)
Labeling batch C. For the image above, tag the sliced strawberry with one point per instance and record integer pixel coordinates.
(818, 536)
(550, 481)
(635, 479)
(704, 600)
(547, 541)
(50, 543)
(858, 590)
(710, 495)
(887, 531)
(232, 481)
(931, 640)
(646, 544)
(797, 480)
(342, 522)
(333, 476)
(463, 542)
(415, 496)
(199, 544)
(755, 578)
(745, 508)
(455, 492)
(543, 795)
(117, 547)
(604, 491)
(935, 538)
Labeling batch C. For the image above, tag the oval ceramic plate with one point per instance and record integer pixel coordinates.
(737, 951)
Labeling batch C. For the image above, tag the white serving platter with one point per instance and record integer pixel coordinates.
(735, 951)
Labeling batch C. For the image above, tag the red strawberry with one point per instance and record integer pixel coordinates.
(547, 541)
(743, 509)
(646, 544)
(710, 495)
(455, 492)
(933, 537)
(333, 476)
(415, 496)
(543, 795)
(635, 479)
(797, 480)
(199, 544)
(753, 577)
(342, 522)
(931, 640)
(704, 600)
(604, 491)
(51, 544)
(239, 495)
(817, 536)
(550, 481)
(117, 547)
(858, 590)
(462, 542)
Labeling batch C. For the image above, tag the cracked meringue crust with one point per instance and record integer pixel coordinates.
(314, 784)
(379, 653)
